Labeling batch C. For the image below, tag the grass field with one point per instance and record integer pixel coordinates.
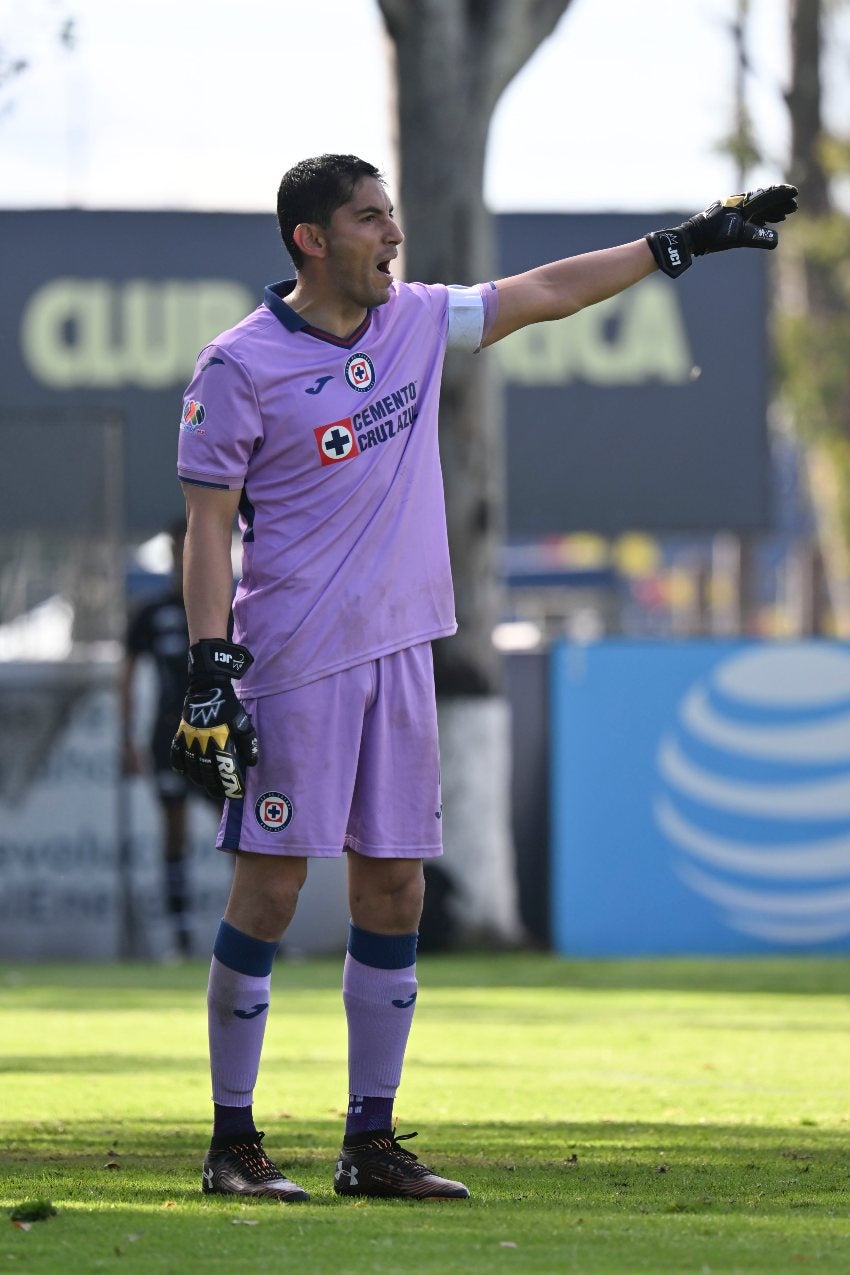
(687, 1116)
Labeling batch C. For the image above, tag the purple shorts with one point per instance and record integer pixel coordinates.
(349, 762)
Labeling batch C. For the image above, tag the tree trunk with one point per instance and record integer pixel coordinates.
(453, 60)
(804, 105)
(815, 296)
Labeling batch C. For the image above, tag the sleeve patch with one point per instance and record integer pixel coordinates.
(192, 416)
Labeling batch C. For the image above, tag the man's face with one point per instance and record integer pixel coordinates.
(362, 241)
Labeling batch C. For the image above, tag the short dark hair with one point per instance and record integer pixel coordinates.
(313, 190)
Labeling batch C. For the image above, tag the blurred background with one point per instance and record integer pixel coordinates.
(645, 716)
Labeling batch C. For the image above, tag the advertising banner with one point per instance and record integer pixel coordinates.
(701, 798)
(646, 412)
(643, 413)
(81, 862)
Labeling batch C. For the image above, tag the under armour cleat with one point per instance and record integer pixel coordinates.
(382, 1169)
(243, 1168)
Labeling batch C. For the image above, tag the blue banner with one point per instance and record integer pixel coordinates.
(700, 797)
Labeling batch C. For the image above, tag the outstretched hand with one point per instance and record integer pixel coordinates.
(740, 221)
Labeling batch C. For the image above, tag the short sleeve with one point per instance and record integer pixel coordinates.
(220, 422)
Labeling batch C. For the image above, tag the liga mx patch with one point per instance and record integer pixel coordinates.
(360, 372)
(192, 416)
(336, 441)
(273, 811)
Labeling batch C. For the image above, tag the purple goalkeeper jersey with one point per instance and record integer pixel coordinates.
(333, 443)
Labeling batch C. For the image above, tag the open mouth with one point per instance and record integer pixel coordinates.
(384, 267)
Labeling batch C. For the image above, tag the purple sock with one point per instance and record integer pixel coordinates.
(237, 1005)
(379, 992)
(365, 1114)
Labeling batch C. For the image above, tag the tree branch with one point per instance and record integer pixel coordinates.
(397, 16)
(514, 30)
(479, 43)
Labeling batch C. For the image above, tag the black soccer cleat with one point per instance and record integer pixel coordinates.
(243, 1168)
(382, 1169)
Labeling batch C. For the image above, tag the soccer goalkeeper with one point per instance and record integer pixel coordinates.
(315, 420)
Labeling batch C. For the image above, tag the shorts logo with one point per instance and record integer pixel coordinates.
(193, 415)
(336, 441)
(273, 811)
(360, 373)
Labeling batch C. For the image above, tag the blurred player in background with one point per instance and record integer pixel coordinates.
(160, 632)
(315, 419)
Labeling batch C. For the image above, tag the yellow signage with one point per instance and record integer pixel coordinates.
(99, 334)
(631, 339)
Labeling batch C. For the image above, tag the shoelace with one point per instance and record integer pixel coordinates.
(254, 1158)
(391, 1148)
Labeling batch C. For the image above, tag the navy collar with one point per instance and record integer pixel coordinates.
(273, 299)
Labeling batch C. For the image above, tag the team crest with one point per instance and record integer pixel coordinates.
(360, 372)
(336, 441)
(273, 811)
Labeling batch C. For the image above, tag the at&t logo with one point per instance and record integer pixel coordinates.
(755, 794)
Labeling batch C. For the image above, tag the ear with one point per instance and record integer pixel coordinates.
(311, 239)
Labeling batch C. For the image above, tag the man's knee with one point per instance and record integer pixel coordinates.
(386, 895)
(264, 894)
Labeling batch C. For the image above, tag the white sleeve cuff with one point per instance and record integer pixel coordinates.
(466, 317)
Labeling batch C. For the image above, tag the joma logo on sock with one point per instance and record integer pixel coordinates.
(405, 1004)
(251, 1013)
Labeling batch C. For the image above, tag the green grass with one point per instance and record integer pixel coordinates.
(659, 1116)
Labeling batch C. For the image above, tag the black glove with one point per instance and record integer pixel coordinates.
(215, 740)
(736, 222)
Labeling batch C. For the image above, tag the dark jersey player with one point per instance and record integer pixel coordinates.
(159, 631)
(315, 420)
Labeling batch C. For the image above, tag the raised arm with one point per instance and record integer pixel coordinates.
(563, 287)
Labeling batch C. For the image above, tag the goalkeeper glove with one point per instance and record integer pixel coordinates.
(215, 740)
(736, 222)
